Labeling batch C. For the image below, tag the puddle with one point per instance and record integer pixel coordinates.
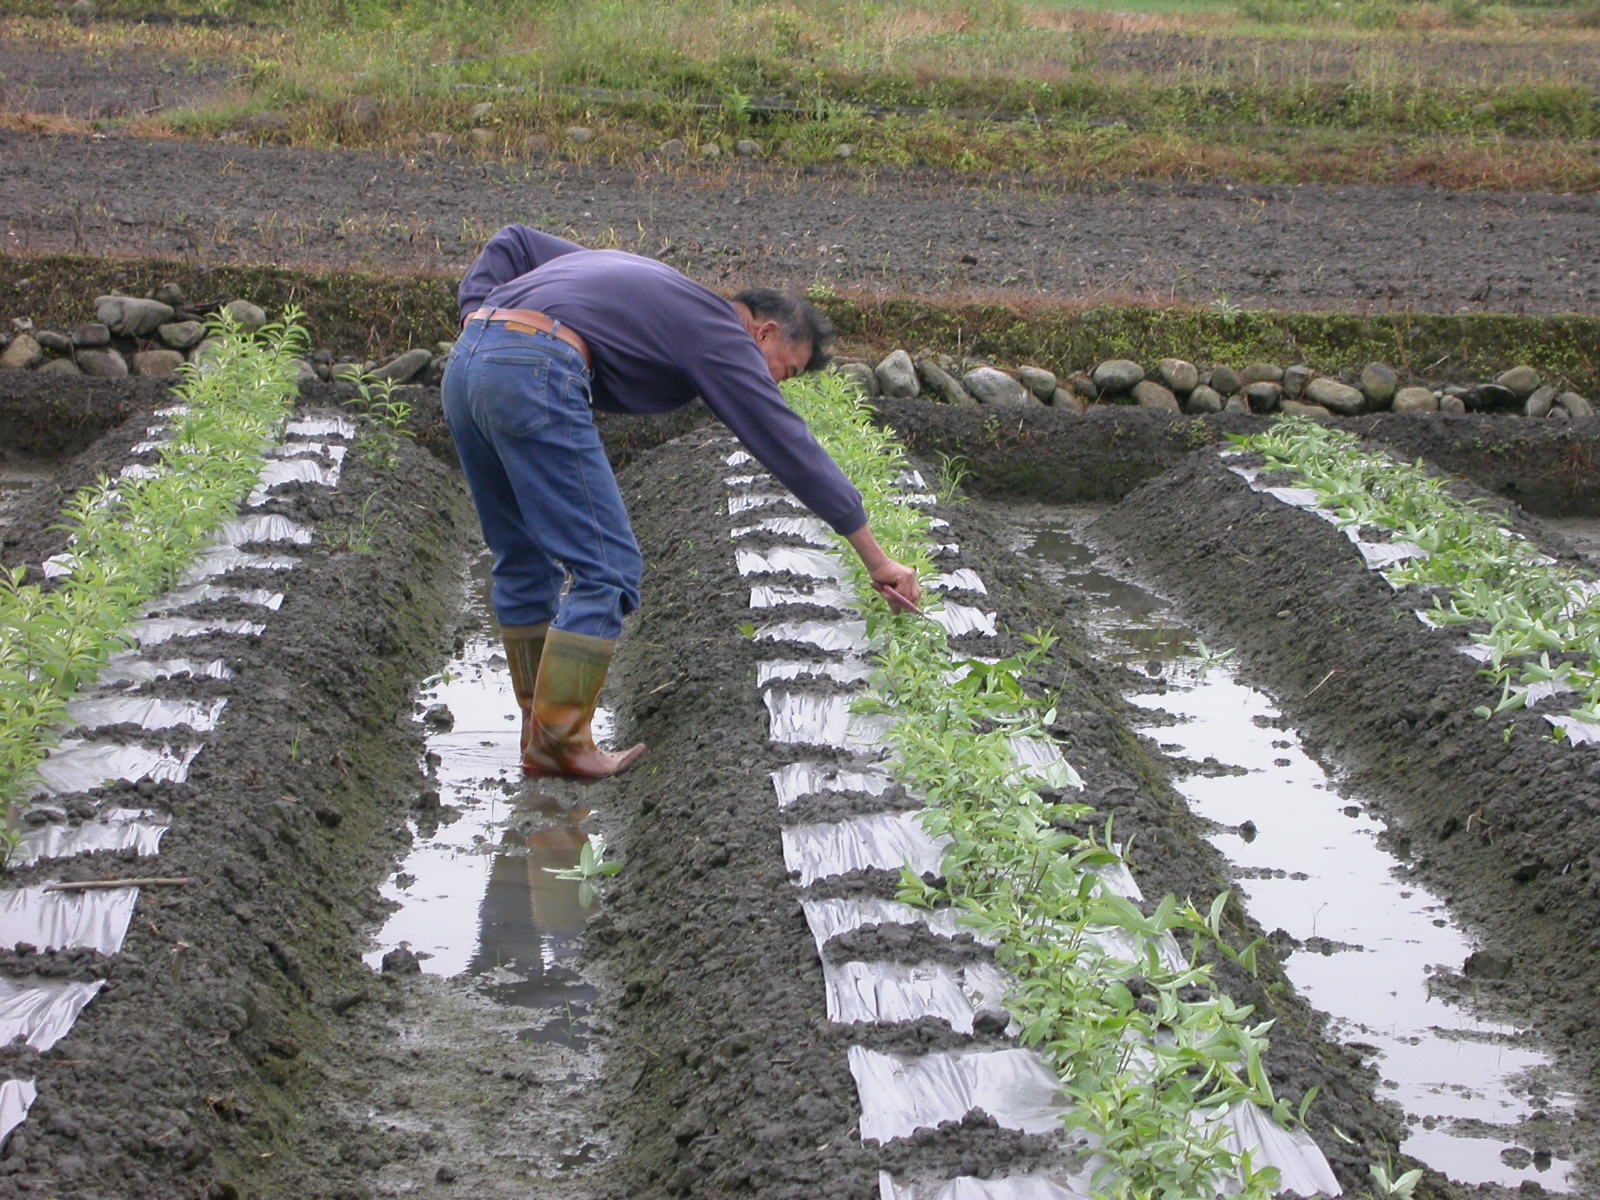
(479, 895)
(1307, 852)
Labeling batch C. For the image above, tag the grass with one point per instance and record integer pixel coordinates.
(1459, 94)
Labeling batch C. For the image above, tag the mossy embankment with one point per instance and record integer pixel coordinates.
(376, 314)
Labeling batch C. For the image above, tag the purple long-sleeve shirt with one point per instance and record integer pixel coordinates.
(658, 340)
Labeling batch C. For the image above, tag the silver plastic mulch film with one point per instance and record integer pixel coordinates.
(900, 1094)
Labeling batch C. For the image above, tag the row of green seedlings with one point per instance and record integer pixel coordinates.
(131, 539)
(1142, 1048)
(1538, 620)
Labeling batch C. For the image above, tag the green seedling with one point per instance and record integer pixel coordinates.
(1023, 871)
(1538, 619)
(132, 538)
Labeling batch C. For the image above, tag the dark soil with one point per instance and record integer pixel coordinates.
(1310, 247)
(268, 1060)
(735, 1076)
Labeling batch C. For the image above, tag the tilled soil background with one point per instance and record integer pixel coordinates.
(1309, 247)
(1315, 247)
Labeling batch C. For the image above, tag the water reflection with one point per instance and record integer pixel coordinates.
(531, 918)
(484, 891)
(1311, 866)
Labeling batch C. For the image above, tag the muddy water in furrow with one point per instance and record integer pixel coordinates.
(489, 896)
(1380, 955)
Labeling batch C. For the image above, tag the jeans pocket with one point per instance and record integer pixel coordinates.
(514, 390)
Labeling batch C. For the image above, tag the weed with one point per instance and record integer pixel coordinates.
(953, 471)
(376, 397)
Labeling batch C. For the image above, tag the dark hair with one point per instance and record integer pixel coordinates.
(798, 318)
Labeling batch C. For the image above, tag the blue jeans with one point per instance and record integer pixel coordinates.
(518, 408)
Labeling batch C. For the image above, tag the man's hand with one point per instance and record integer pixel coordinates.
(899, 586)
(896, 582)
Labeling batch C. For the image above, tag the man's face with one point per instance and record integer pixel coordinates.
(785, 358)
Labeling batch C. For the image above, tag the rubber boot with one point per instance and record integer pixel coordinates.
(560, 741)
(524, 647)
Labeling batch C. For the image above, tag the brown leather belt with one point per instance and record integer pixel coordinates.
(526, 320)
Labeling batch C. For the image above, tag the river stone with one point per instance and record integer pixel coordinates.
(60, 366)
(102, 362)
(480, 137)
(404, 367)
(1521, 382)
(1225, 380)
(860, 374)
(941, 383)
(1083, 385)
(747, 148)
(305, 371)
(1150, 394)
(1068, 401)
(129, 316)
(1295, 379)
(1379, 383)
(1488, 397)
(1575, 405)
(1182, 377)
(1415, 400)
(206, 349)
(897, 376)
(989, 385)
(711, 150)
(362, 112)
(673, 149)
(844, 151)
(250, 317)
(1263, 395)
(1040, 382)
(1116, 376)
(181, 335)
(1451, 405)
(169, 293)
(91, 335)
(1261, 373)
(56, 343)
(23, 354)
(1331, 394)
(1236, 403)
(1203, 399)
(156, 362)
(1299, 408)
(263, 123)
(579, 135)
(1540, 402)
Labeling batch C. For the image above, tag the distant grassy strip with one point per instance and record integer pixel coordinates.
(1001, 89)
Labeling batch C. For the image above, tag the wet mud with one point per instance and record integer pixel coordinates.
(243, 1047)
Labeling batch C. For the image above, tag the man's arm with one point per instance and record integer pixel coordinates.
(514, 251)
